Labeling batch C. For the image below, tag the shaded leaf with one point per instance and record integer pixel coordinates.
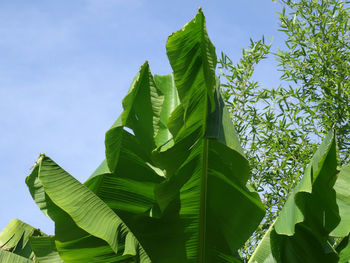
(15, 238)
(45, 249)
(85, 228)
(301, 232)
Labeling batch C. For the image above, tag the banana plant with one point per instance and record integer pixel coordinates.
(20, 242)
(173, 179)
(316, 212)
(174, 184)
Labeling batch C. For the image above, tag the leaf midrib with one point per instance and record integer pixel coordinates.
(204, 175)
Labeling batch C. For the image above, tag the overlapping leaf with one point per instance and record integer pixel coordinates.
(342, 230)
(9, 257)
(15, 239)
(20, 242)
(341, 187)
(173, 186)
(301, 232)
(86, 229)
(126, 180)
(213, 168)
(171, 198)
(45, 251)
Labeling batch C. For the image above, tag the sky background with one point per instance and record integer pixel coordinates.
(65, 67)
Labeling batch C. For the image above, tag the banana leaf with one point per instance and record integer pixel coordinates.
(301, 233)
(86, 229)
(342, 230)
(44, 248)
(15, 239)
(9, 257)
(183, 192)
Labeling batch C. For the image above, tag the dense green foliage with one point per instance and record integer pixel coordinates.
(174, 186)
(312, 214)
(172, 157)
(280, 127)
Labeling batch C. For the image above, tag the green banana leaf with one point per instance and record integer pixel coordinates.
(208, 183)
(180, 192)
(15, 239)
(127, 179)
(341, 187)
(343, 250)
(342, 230)
(86, 230)
(166, 92)
(173, 187)
(44, 249)
(20, 242)
(133, 189)
(302, 230)
(9, 257)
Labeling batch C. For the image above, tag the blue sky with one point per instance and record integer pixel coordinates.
(66, 65)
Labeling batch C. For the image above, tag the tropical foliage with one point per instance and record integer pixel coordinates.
(174, 184)
(280, 127)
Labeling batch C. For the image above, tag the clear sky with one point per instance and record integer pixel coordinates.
(66, 65)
